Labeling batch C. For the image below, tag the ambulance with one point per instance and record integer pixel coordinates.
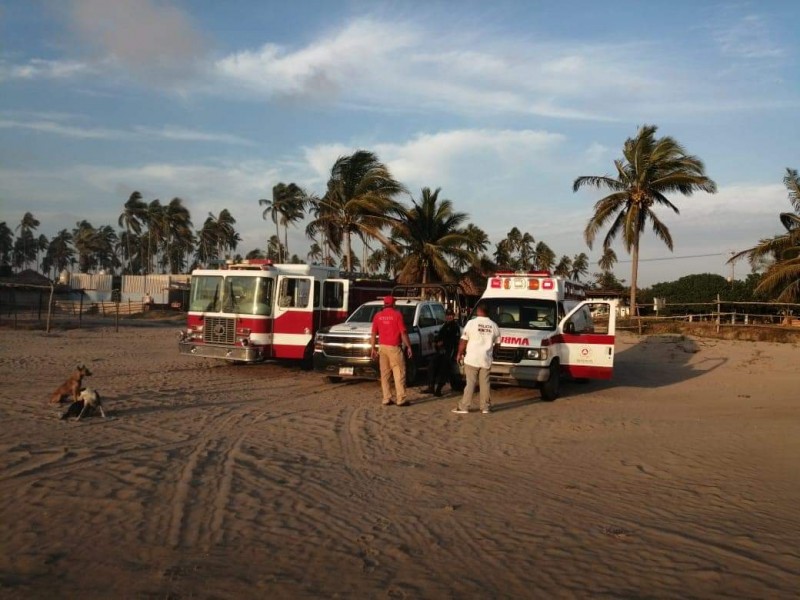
(548, 331)
(256, 310)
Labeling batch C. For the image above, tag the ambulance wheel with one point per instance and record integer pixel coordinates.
(550, 387)
(412, 372)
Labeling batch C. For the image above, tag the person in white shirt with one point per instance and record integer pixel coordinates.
(475, 349)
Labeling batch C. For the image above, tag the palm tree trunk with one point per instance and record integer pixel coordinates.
(634, 272)
(348, 265)
(278, 237)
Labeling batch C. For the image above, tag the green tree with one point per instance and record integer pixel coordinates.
(607, 260)
(179, 238)
(544, 258)
(28, 244)
(580, 266)
(781, 279)
(286, 206)
(359, 200)
(6, 243)
(60, 253)
(84, 239)
(651, 168)
(133, 216)
(564, 266)
(429, 235)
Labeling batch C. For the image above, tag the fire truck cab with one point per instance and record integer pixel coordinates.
(548, 330)
(256, 310)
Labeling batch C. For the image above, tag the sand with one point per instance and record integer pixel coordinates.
(678, 478)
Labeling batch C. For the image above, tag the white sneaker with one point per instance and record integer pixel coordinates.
(486, 411)
(460, 411)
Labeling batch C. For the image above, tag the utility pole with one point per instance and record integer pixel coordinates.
(733, 263)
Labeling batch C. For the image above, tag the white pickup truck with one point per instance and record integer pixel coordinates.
(344, 350)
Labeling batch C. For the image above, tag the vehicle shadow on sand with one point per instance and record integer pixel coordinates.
(648, 362)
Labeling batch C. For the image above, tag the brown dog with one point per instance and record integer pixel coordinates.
(71, 387)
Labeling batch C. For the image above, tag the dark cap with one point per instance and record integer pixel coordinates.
(450, 312)
(388, 300)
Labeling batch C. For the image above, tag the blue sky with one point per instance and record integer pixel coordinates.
(500, 104)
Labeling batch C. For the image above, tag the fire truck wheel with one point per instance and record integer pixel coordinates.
(550, 387)
(307, 363)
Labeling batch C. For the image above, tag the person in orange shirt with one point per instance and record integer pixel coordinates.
(390, 330)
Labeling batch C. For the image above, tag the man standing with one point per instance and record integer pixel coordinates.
(475, 348)
(442, 365)
(391, 331)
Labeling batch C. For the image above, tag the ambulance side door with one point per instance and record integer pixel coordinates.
(586, 340)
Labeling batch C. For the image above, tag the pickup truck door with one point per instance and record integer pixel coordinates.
(428, 328)
(585, 340)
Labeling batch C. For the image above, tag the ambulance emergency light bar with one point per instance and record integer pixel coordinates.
(519, 281)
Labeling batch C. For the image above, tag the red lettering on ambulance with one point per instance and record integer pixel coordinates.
(515, 341)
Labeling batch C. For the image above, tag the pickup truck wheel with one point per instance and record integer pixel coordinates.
(412, 372)
(333, 379)
(550, 387)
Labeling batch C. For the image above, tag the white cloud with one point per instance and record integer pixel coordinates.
(56, 126)
(151, 38)
(45, 69)
(410, 65)
(748, 38)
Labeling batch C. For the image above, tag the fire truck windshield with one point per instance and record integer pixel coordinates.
(516, 313)
(236, 294)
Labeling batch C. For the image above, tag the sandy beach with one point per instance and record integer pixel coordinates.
(678, 478)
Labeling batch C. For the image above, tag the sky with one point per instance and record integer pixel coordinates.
(500, 104)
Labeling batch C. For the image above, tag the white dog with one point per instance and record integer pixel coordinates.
(87, 398)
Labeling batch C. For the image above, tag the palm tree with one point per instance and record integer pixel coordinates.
(650, 169)
(782, 277)
(564, 266)
(179, 239)
(224, 233)
(428, 234)
(543, 257)
(580, 266)
(502, 254)
(59, 253)
(287, 206)
(6, 243)
(315, 254)
(274, 248)
(607, 261)
(477, 244)
(133, 216)
(359, 200)
(83, 238)
(41, 246)
(26, 227)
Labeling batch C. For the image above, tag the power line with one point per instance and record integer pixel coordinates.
(677, 257)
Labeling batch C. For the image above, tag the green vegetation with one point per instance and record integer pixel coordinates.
(428, 240)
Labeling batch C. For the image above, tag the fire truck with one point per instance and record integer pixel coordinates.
(256, 310)
(548, 330)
